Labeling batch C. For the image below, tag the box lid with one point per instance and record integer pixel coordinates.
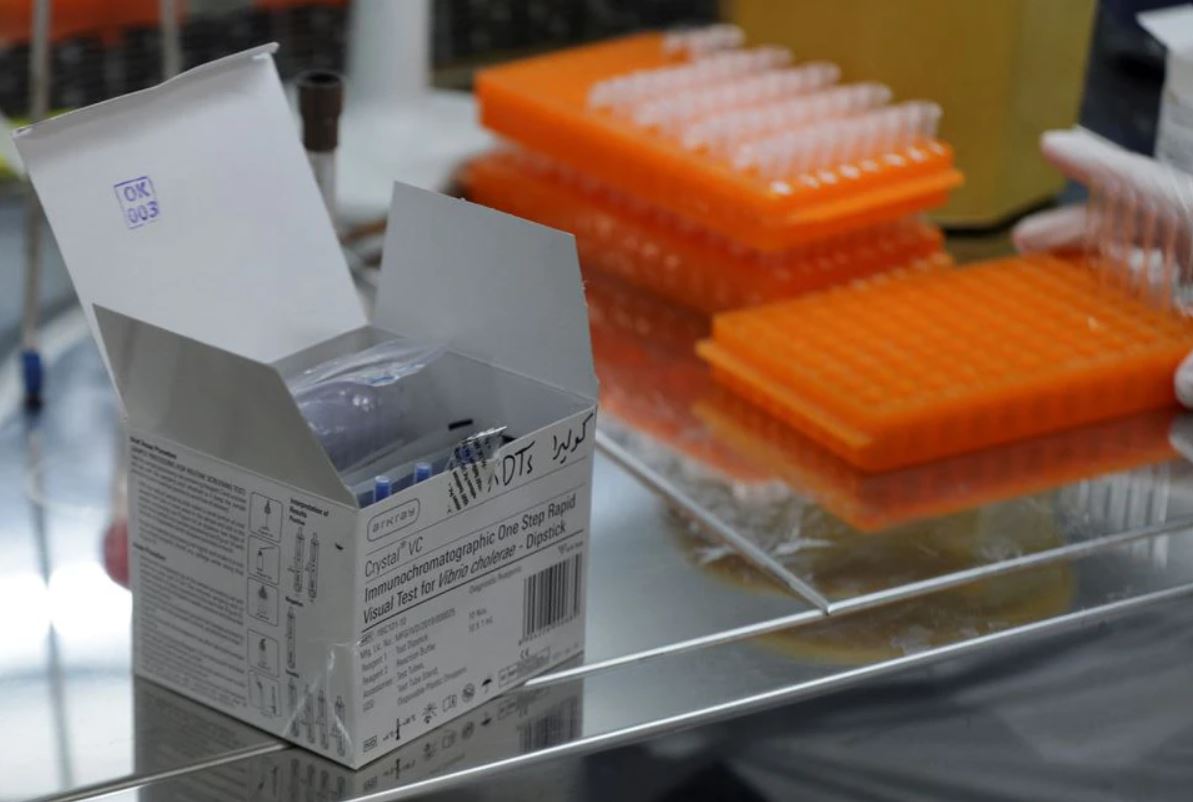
(191, 206)
(488, 285)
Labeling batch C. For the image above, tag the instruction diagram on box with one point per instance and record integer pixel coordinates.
(265, 517)
(312, 568)
(297, 565)
(293, 709)
(291, 639)
(263, 694)
(263, 601)
(265, 560)
(263, 652)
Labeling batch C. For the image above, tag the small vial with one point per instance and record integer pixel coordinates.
(382, 488)
(422, 472)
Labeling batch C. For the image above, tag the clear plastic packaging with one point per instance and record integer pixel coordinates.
(358, 404)
(369, 411)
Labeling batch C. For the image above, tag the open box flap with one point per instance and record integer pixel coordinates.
(215, 402)
(488, 285)
(192, 206)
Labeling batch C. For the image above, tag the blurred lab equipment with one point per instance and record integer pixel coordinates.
(395, 126)
(1173, 27)
(1003, 72)
(320, 101)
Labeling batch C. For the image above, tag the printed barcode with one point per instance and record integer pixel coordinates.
(552, 596)
(557, 726)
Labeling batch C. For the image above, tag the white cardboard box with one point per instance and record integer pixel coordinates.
(203, 256)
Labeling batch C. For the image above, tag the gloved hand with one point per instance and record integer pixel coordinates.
(1161, 200)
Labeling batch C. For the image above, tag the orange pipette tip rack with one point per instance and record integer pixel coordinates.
(873, 502)
(915, 365)
(623, 238)
(732, 141)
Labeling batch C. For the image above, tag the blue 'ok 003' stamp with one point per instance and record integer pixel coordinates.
(138, 201)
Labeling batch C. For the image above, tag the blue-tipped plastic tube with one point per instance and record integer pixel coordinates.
(32, 370)
(422, 472)
(33, 376)
(382, 488)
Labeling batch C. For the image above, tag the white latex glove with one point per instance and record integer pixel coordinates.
(1086, 158)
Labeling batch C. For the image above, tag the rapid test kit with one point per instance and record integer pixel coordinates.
(345, 532)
